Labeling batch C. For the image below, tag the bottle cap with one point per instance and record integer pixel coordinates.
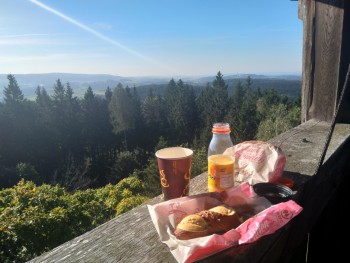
(221, 127)
(286, 181)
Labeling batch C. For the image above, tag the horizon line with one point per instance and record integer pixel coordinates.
(163, 76)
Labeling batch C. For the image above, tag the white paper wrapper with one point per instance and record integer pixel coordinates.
(257, 162)
(261, 218)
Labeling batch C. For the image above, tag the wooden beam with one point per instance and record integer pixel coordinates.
(324, 66)
(306, 13)
(344, 114)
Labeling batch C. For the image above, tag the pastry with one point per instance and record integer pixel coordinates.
(216, 220)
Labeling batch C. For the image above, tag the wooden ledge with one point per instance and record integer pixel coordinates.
(131, 237)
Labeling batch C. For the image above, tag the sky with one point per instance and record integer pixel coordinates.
(150, 37)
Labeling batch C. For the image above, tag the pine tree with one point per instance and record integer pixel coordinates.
(89, 118)
(20, 128)
(42, 98)
(221, 99)
(47, 143)
(153, 112)
(72, 119)
(213, 106)
(181, 111)
(248, 121)
(123, 112)
(235, 116)
(12, 93)
(108, 94)
(59, 91)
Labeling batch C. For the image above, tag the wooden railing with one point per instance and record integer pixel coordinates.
(131, 237)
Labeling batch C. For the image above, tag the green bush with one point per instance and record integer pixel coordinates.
(129, 203)
(35, 219)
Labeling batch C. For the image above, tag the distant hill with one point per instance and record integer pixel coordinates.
(284, 87)
(253, 76)
(79, 82)
(289, 85)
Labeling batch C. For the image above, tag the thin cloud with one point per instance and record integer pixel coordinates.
(27, 39)
(94, 32)
(32, 58)
(51, 57)
(22, 35)
(9, 41)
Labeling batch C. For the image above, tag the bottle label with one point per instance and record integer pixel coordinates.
(220, 172)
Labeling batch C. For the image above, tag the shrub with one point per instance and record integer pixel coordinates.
(35, 219)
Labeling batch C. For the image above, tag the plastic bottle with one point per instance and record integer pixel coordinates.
(220, 166)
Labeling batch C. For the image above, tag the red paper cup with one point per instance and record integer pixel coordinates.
(174, 164)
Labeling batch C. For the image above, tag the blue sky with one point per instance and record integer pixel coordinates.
(150, 37)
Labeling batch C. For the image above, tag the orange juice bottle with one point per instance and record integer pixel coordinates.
(220, 166)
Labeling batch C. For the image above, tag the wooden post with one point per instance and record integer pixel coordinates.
(325, 57)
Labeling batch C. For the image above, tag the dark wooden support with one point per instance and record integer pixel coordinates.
(344, 115)
(307, 15)
(325, 57)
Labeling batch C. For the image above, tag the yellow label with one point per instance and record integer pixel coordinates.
(220, 172)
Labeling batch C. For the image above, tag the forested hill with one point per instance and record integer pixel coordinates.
(284, 85)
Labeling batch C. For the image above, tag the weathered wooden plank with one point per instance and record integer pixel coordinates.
(326, 32)
(344, 115)
(130, 237)
(306, 12)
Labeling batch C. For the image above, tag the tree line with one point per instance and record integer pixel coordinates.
(90, 142)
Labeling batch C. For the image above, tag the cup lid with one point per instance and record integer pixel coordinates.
(275, 193)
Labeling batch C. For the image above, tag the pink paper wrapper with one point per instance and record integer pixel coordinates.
(261, 218)
(257, 162)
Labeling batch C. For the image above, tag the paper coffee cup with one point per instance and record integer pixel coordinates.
(174, 165)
